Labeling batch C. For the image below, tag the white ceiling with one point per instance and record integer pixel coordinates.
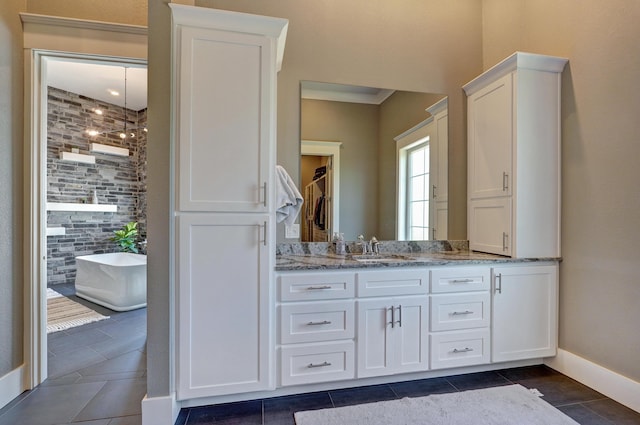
(344, 93)
(95, 80)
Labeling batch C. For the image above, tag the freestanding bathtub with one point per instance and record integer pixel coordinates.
(117, 281)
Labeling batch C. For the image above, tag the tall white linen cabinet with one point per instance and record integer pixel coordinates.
(513, 188)
(224, 77)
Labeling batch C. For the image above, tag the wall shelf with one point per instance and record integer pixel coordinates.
(77, 157)
(64, 206)
(110, 150)
(56, 231)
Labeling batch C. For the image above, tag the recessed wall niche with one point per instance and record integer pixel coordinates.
(117, 180)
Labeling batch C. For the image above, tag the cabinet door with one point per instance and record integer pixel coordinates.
(224, 304)
(225, 121)
(490, 226)
(374, 349)
(410, 334)
(525, 312)
(392, 336)
(490, 131)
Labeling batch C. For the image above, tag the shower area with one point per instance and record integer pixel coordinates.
(95, 178)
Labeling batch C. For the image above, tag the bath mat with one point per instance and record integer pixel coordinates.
(63, 313)
(512, 404)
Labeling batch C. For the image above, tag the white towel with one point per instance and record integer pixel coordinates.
(288, 197)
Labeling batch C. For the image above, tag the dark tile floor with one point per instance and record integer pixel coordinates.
(583, 404)
(97, 374)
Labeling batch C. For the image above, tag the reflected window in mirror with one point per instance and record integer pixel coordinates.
(417, 196)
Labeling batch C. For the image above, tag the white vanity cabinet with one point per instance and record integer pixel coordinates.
(460, 315)
(336, 325)
(525, 311)
(392, 333)
(224, 103)
(513, 124)
(316, 327)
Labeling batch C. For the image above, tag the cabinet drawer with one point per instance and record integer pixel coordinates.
(392, 283)
(316, 286)
(459, 348)
(316, 321)
(309, 363)
(459, 311)
(460, 279)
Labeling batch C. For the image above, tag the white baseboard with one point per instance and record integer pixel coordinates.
(160, 410)
(615, 386)
(11, 385)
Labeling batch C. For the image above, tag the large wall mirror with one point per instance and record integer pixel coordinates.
(373, 162)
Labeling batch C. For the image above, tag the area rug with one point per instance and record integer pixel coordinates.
(63, 313)
(508, 405)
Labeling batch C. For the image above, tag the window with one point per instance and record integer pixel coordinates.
(417, 197)
(415, 209)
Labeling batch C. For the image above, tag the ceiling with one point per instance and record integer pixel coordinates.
(96, 80)
(344, 93)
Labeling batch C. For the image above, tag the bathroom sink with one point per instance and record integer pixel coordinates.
(381, 258)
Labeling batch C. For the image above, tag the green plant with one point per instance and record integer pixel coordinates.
(125, 238)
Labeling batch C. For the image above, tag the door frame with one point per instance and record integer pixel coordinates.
(35, 155)
(332, 149)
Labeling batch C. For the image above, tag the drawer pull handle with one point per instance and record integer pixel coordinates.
(460, 313)
(318, 288)
(323, 364)
(324, 322)
(462, 281)
(464, 350)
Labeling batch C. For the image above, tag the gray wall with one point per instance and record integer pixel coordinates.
(11, 212)
(599, 286)
(117, 180)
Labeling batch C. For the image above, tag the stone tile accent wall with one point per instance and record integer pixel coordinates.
(117, 180)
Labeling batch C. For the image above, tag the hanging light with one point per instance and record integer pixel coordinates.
(125, 132)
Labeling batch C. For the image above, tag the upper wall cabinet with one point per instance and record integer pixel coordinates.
(226, 103)
(514, 157)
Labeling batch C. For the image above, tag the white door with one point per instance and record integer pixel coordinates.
(411, 334)
(223, 304)
(225, 106)
(490, 225)
(374, 355)
(490, 128)
(525, 312)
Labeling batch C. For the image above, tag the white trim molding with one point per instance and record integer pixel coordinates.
(11, 385)
(160, 410)
(615, 386)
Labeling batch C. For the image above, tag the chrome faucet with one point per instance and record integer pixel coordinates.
(366, 246)
(374, 246)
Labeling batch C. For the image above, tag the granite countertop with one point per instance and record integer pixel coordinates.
(321, 256)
